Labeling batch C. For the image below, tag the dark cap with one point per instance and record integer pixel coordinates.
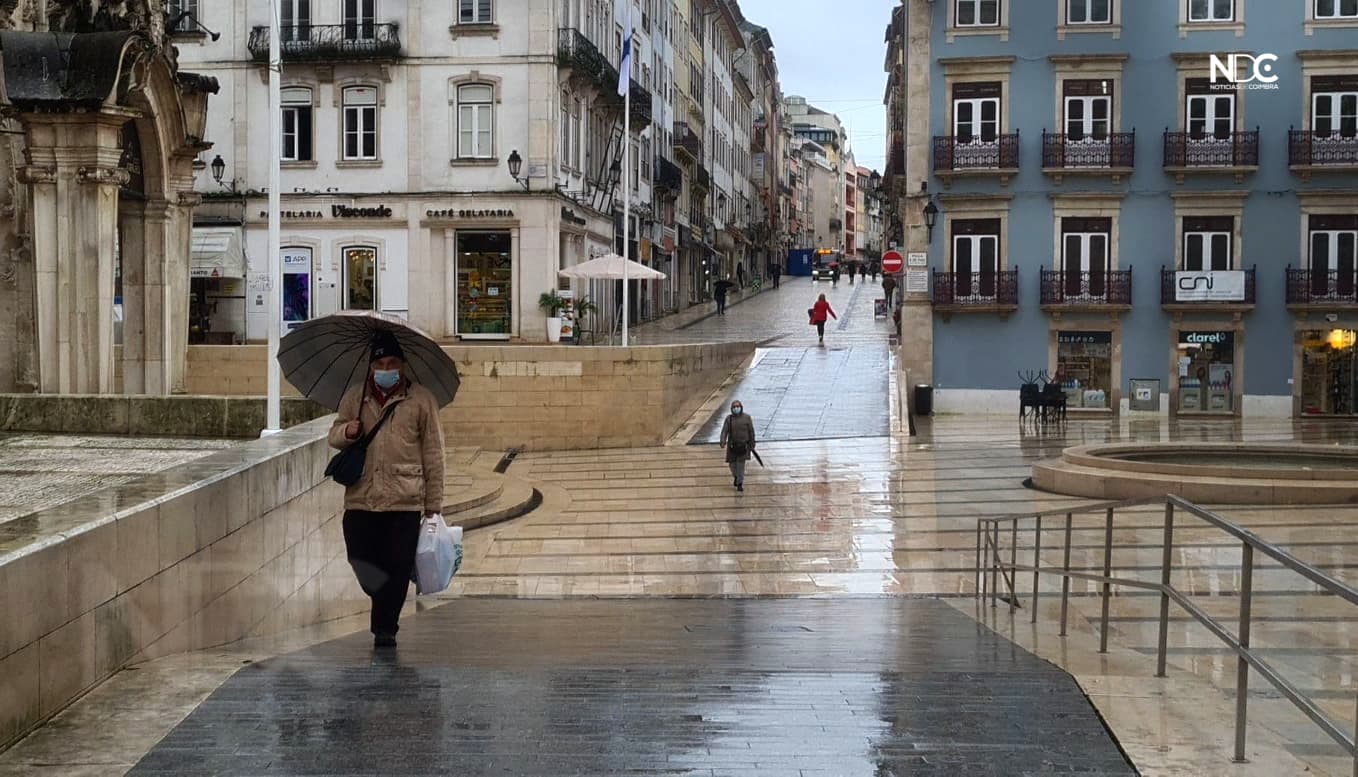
(385, 344)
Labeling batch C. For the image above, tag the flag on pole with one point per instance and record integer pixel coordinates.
(625, 69)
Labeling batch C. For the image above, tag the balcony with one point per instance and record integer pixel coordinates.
(575, 51)
(1318, 152)
(978, 292)
(972, 156)
(1224, 152)
(1221, 290)
(687, 142)
(1113, 155)
(668, 177)
(1103, 290)
(329, 42)
(836, 225)
(702, 178)
(1321, 289)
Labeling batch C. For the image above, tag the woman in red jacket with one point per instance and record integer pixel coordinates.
(819, 314)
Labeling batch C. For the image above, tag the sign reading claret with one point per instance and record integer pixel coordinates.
(1218, 286)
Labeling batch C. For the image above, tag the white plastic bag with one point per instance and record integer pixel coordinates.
(437, 555)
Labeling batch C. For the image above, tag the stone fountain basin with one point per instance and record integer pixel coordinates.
(1222, 473)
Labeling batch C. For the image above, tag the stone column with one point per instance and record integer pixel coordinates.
(75, 174)
(176, 267)
(917, 314)
(132, 243)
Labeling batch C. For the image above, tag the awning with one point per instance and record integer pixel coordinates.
(217, 253)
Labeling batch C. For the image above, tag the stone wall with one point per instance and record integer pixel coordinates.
(538, 397)
(240, 543)
(175, 416)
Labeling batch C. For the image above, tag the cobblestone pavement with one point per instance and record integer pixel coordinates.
(842, 689)
(41, 471)
(811, 394)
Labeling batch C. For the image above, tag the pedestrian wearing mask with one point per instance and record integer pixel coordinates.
(737, 437)
(402, 480)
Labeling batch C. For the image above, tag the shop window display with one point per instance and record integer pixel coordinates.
(1329, 380)
(360, 278)
(484, 283)
(1206, 372)
(1084, 367)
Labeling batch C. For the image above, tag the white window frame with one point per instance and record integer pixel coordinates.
(1211, 102)
(975, 270)
(978, 121)
(1210, 261)
(1211, 17)
(479, 109)
(1334, 238)
(977, 7)
(360, 121)
(293, 105)
(1338, 14)
(1086, 241)
(474, 8)
(361, 16)
(1089, 13)
(188, 23)
(1089, 129)
(295, 20)
(1337, 113)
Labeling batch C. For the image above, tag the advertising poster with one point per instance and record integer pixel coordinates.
(568, 315)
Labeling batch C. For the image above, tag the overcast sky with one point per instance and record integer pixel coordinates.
(831, 53)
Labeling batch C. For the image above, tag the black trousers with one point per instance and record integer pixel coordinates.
(820, 329)
(721, 305)
(381, 549)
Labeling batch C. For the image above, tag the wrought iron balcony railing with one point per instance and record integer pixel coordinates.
(575, 50)
(668, 176)
(976, 289)
(703, 179)
(1179, 288)
(1322, 286)
(1086, 289)
(1062, 152)
(328, 42)
(1307, 148)
(954, 153)
(1206, 150)
(687, 141)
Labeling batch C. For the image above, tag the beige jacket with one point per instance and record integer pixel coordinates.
(404, 468)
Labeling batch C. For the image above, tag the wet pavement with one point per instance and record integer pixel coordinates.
(811, 394)
(803, 688)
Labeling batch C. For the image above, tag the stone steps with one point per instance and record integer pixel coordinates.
(516, 498)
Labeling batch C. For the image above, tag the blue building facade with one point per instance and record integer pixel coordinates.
(1162, 190)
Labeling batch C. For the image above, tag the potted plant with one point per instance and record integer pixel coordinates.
(552, 304)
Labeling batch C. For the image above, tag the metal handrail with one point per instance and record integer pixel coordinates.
(992, 570)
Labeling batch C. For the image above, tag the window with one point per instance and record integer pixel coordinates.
(474, 12)
(976, 112)
(1209, 115)
(978, 13)
(359, 19)
(646, 159)
(475, 121)
(360, 123)
(190, 22)
(1337, 9)
(1089, 11)
(1334, 106)
(1084, 256)
(1334, 255)
(360, 278)
(564, 151)
(1211, 10)
(297, 124)
(1208, 243)
(295, 20)
(975, 257)
(577, 111)
(1089, 110)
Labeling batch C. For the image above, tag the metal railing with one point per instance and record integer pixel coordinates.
(1319, 286)
(1089, 152)
(1206, 149)
(979, 289)
(360, 40)
(971, 152)
(992, 570)
(1086, 289)
(1306, 148)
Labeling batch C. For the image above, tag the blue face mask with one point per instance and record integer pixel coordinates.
(386, 379)
(737, 410)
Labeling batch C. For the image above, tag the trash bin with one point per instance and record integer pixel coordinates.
(924, 399)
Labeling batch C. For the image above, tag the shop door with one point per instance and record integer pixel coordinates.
(1329, 372)
(325, 287)
(485, 291)
(360, 277)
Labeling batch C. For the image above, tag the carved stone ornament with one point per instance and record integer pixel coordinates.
(112, 176)
(190, 199)
(19, 251)
(34, 174)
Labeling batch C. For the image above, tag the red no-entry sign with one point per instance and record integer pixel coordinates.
(892, 262)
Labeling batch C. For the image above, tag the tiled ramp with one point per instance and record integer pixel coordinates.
(863, 687)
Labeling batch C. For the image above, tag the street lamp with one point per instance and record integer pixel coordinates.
(930, 218)
(515, 166)
(218, 169)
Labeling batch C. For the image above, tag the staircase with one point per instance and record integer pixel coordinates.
(475, 495)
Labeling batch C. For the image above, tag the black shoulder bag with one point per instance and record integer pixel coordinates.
(346, 467)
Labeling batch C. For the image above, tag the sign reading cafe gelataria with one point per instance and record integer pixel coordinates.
(469, 213)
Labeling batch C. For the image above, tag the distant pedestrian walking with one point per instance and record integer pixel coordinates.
(402, 480)
(719, 292)
(740, 274)
(777, 273)
(889, 286)
(834, 273)
(820, 313)
(853, 270)
(737, 437)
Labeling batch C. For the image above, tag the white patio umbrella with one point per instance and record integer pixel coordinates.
(611, 267)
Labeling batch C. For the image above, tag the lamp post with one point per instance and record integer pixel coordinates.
(218, 169)
(515, 166)
(930, 218)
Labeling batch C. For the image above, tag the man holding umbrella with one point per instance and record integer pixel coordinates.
(402, 478)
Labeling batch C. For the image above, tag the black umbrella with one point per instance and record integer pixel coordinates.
(324, 357)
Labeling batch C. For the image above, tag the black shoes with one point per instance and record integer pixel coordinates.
(384, 641)
(740, 486)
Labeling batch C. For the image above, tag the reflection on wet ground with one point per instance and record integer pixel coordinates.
(481, 687)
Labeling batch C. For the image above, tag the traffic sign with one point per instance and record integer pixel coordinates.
(892, 262)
